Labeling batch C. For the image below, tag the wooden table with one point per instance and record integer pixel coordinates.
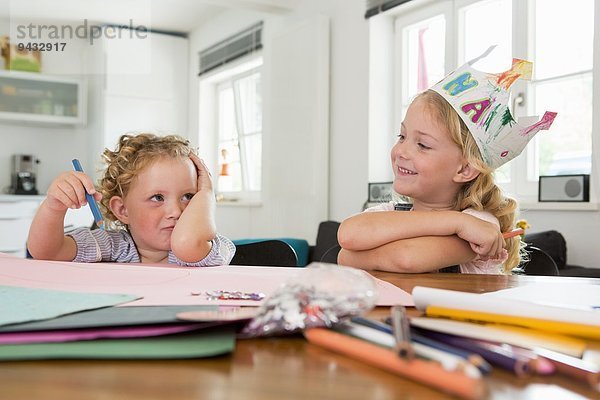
(276, 368)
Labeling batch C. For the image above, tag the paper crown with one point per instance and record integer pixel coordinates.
(481, 100)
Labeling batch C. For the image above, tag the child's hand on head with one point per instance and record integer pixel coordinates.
(68, 191)
(204, 176)
(484, 237)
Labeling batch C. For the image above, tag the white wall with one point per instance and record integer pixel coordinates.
(347, 108)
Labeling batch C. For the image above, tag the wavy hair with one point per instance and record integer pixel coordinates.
(481, 193)
(132, 154)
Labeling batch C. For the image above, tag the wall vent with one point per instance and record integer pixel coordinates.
(234, 47)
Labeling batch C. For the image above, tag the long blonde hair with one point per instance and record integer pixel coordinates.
(132, 154)
(481, 193)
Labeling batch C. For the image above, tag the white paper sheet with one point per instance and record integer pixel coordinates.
(520, 303)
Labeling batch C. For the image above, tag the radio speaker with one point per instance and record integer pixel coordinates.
(380, 192)
(564, 188)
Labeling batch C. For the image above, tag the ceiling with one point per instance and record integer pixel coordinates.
(165, 15)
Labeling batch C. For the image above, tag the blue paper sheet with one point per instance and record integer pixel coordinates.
(18, 304)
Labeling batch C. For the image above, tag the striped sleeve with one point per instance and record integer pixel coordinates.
(221, 253)
(99, 245)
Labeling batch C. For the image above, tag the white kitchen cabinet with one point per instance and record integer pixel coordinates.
(41, 99)
(16, 214)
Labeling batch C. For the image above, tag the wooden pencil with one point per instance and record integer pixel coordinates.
(427, 372)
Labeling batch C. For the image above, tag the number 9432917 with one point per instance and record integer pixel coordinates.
(47, 46)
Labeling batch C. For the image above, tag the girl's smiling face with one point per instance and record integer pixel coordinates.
(425, 160)
(155, 200)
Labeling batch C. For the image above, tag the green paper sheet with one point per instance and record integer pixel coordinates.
(110, 316)
(18, 304)
(206, 343)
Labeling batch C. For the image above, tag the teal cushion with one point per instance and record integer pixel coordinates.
(300, 246)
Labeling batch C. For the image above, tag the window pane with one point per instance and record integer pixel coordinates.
(425, 54)
(230, 177)
(250, 103)
(253, 148)
(566, 147)
(477, 35)
(564, 36)
(227, 128)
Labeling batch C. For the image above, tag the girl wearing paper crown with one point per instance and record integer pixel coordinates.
(453, 137)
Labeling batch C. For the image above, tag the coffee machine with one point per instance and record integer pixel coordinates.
(24, 171)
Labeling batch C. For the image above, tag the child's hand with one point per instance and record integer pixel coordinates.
(484, 237)
(204, 176)
(68, 191)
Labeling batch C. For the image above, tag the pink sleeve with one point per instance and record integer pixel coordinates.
(492, 266)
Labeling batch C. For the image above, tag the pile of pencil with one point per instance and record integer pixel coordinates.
(452, 349)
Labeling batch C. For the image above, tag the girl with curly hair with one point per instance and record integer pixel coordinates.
(158, 204)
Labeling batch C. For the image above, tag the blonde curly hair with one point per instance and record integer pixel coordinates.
(132, 154)
(481, 193)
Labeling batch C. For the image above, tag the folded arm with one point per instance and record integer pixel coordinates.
(370, 230)
(415, 255)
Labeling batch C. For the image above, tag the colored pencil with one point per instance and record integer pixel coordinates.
(541, 365)
(573, 367)
(401, 332)
(471, 358)
(90, 199)
(493, 354)
(427, 372)
(449, 361)
(513, 233)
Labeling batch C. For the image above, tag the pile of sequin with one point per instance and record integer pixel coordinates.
(233, 295)
(321, 297)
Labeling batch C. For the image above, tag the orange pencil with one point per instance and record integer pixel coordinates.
(513, 233)
(427, 372)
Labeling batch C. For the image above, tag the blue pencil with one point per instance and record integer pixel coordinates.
(493, 354)
(473, 358)
(90, 199)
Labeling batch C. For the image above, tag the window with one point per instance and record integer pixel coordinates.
(231, 125)
(239, 126)
(556, 35)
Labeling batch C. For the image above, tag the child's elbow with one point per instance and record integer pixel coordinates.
(191, 249)
(403, 260)
(346, 236)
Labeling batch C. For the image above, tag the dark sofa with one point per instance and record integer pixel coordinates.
(554, 244)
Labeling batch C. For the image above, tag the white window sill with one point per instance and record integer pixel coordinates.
(558, 206)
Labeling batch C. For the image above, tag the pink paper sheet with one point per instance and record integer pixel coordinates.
(71, 335)
(160, 285)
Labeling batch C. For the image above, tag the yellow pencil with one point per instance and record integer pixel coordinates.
(566, 328)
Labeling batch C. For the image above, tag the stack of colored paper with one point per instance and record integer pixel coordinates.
(49, 324)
